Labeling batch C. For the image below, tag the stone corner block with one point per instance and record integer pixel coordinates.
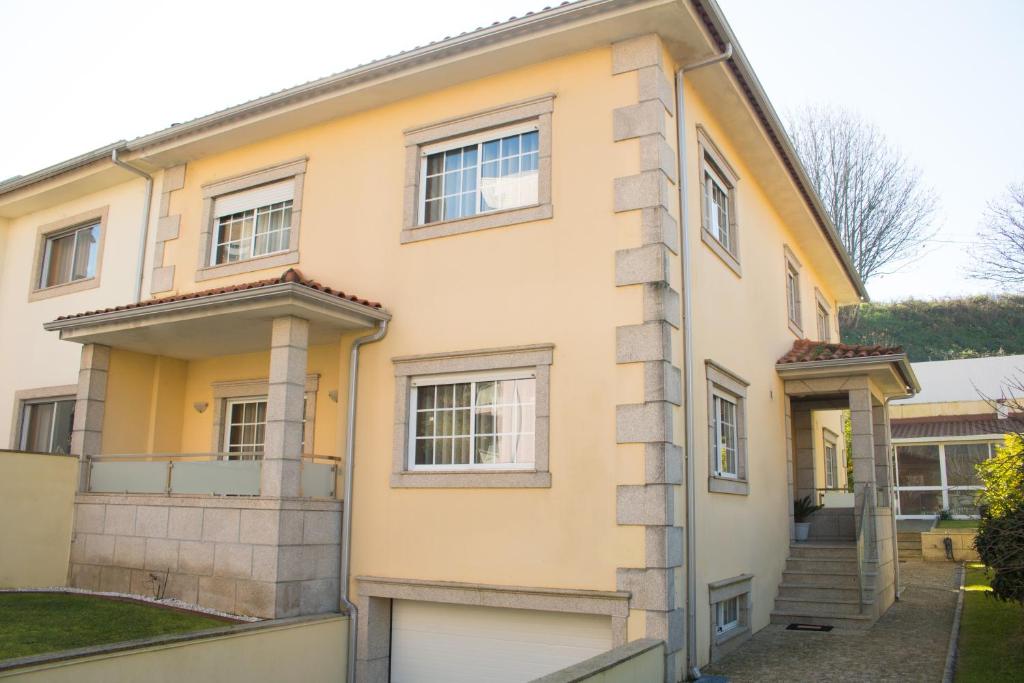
(168, 228)
(649, 263)
(644, 505)
(162, 279)
(638, 120)
(646, 190)
(643, 422)
(649, 589)
(635, 53)
(643, 342)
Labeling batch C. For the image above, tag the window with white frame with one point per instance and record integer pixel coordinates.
(480, 174)
(823, 324)
(831, 461)
(245, 425)
(727, 432)
(473, 421)
(46, 425)
(726, 435)
(252, 223)
(716, 207)
(793, 292)
(70, 255)
(932, 477)
(727, 615)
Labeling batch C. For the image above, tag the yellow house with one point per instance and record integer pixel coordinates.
(503, 343)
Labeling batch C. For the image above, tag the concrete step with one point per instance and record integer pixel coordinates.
(823, 550)
(908, 536)
(830, 608)
(851, 621)
(819, 578)
(828, 565)
(788, 591)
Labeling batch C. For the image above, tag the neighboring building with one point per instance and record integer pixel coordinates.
(942, 433)
(589, 400)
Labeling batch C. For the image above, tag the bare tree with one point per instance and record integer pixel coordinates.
(873, 194)
(998, 256)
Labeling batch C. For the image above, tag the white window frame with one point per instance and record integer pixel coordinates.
(478, 139)
(462, 378)
(722, 626)
(228, 405)
(830, 441)
(943, 485)
(718, 396)
(794, 295)
(215, 243)
(711, 175)
(23, 420)
(60, 234)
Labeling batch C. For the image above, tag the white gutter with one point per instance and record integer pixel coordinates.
(147, 204)
(692, 670)
(346, 507)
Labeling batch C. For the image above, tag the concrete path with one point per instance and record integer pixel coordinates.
(907, 644)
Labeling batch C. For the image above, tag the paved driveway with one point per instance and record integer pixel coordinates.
(907, 644)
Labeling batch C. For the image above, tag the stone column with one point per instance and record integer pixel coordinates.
(803, 442)
(90, 403)
(883, 453)
(862, 428)
(282, 451)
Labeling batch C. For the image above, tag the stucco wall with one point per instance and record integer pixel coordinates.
(304, 650)
(37, 494)
(33, 358)
(730, 312)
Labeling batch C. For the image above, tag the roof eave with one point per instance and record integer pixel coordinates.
(771, 118)
(861, 364)
(267, 292)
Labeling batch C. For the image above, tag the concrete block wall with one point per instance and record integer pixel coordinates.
(259, 557)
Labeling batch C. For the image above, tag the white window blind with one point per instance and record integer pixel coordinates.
(264, 195)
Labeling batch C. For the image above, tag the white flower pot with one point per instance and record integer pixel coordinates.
(803, 530)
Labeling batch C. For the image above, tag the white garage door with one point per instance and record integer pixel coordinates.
(440, 642)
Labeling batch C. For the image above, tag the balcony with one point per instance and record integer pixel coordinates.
(211, 474)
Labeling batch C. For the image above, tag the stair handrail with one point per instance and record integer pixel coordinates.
(862, 531)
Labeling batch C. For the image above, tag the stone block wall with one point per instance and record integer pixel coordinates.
(259, 557)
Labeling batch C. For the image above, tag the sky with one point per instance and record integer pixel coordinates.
(941, 78)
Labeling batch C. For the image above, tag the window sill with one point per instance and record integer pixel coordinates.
(496, 219)
(731, 635)
(464, 479)
(284, 258)
(795, 329)
(65, 288)
(737, 487)
(727, 257)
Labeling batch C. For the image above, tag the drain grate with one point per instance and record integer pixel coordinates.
(808, 627)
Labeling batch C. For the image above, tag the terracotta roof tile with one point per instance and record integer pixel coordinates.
(290, 275)
(955, 425)
(808, 351)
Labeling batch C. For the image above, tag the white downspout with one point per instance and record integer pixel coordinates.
(346, 506)
(147, 204)
(692, 670)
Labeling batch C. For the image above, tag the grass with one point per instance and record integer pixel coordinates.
(957, 524)
(991, 646)
(34, 623)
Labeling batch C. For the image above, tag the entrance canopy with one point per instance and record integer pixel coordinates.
(222, 321)
(809, 362)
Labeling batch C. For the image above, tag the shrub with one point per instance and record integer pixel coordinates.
(1000, 539)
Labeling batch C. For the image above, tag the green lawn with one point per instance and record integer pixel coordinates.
(991, 634)
(33, 623)
(957, 524)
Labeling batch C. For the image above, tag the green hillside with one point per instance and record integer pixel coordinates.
(940, 329)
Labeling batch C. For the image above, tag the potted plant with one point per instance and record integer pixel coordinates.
(802, 511)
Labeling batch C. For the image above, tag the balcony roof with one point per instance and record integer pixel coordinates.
(224, 320)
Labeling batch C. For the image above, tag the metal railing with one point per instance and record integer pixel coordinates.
(217, 474)
(865, 541)
(820, 493)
